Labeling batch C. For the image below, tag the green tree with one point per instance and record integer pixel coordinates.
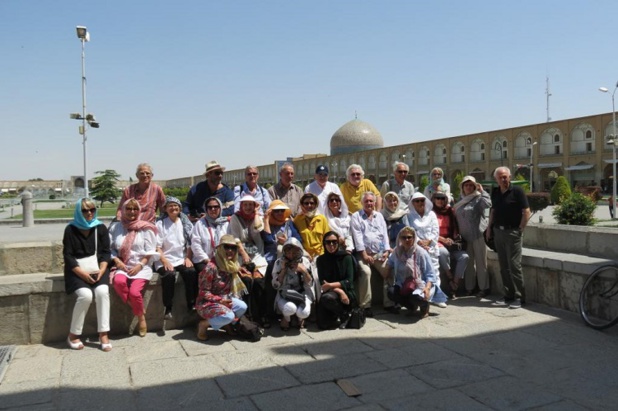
(526, 186)
(456, 186)
(576, 209)
(560, 191)
(104, 187)
(424, 182)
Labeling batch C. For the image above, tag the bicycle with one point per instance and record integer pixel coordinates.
(598, 300)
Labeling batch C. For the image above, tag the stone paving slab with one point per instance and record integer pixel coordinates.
(468, 356)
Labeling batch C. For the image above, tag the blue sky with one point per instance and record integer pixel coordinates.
(178, 84)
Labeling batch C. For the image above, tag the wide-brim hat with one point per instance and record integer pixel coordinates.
(246, 198)
(280, 205)
(227, 239)
(213, 165)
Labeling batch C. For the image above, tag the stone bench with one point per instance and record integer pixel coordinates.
(35, 309)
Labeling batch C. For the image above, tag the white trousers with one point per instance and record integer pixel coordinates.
(84, 299)
(288, 309)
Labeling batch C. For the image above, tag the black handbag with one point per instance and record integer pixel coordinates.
(357, 319)
(293, 296)
(459, 244)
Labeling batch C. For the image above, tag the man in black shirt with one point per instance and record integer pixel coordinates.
(509, 216)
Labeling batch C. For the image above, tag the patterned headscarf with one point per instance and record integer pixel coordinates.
(231, 267)
(80, 221)
(132, 227)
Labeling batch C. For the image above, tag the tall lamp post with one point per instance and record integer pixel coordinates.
(612, 141)
(498, 147)
(86, 119)
(531, 167)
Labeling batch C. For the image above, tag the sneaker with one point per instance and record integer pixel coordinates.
(441, 305)
(368, 312)
(499, 303)
(515, 304)
(168, 314)
(481, 294)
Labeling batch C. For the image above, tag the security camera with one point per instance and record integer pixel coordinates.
(75, 116)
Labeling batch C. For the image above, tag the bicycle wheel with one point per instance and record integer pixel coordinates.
(598, 300)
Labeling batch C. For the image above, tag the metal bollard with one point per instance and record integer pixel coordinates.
(27, 213)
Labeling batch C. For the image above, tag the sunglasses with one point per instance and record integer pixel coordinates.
(407, 237)
(132, 209)
(214, 207)
(89, 210)
(252, 174)
(145, 173)
(278, 211)
(218, 173)
(229, 247)
(402, 171)
(419, 200)
(355, 174)
(334, 200)
(440, 198)
(331, 242)
(309, 203)
(323, 174)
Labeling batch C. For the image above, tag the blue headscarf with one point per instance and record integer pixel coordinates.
(78, 217)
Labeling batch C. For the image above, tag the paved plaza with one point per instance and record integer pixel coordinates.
(469, 356)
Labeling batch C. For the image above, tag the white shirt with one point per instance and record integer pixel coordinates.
(369, 234)
(205, 238)
(171, 240)
(144, 246)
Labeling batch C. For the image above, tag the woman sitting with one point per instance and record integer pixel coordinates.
(293, 279)
(413, 275)
(339, 220)
(221, 288)
(86, 236)
(134, 245)
(173, 245)
(278, 228)
(336, 276)
(246, 225)
(396, 216)
(207, 233)
(311, 226)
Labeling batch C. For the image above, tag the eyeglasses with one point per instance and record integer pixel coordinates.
(145, 173)
(323, 174)
(309, 203)
(419, 200)
(440, 198)
(334, 200)
(355, 174)
(229, 247)
(437, 174)
(214, 207)
(252, 174)
(89, 210)
(132, 209)
(218, 173)
(407, 237)
(331, 242)
(278, 211)
(402, 171)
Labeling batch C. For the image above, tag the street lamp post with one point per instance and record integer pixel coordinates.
(531, 167)
(498, 147)
(86, 119)
(612, 141)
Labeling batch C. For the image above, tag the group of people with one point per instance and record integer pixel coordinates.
(278, 254)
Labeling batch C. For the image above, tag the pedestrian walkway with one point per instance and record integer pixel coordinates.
(469, 356)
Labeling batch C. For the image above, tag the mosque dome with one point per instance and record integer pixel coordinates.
(355, 136)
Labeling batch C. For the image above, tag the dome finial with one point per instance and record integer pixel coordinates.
(355, 115)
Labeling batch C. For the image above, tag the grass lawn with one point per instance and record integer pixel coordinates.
(106, 211)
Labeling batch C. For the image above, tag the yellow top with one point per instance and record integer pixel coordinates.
(352, 195)
(312, 232)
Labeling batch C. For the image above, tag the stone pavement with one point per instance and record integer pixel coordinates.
(469, 356)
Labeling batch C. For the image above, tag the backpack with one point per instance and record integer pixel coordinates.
(249, 330)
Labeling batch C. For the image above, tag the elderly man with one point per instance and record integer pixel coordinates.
(354, 188)
(370, 236)
(321, 187)
(509, 216)
(403, 188)
(285, 190)
(251, 187)
(193, 206)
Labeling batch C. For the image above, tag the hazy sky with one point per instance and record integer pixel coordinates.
(180, 83)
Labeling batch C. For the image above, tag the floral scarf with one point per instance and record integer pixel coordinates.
(132, 228)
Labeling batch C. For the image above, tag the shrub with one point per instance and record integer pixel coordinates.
(560, 191)
(577, 209)
(538, 201)
(52, 196)
(526, 186)
(423, 183)
(178, 192)
(456, 186)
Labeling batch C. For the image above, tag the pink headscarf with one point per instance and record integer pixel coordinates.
(132, 227)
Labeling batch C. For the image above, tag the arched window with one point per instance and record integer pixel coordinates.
(477, 150)
(551, 142)
(523, 143)
(439, 156)
(458, 153)
(499, 148)
(582, 139)
(423, 156)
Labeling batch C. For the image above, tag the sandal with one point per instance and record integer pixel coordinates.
(201, 330)
(105, 346)
(78, 345)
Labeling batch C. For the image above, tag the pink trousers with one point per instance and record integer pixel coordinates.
(130, 290)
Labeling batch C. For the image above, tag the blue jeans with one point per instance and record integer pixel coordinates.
(238, 310)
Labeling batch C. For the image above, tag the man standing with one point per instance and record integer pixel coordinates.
(370, 236)
(285, 190)
(399, 185)
(193, 206)
(509, 216)
(321, 187)
(251, 187)
(354, 188)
